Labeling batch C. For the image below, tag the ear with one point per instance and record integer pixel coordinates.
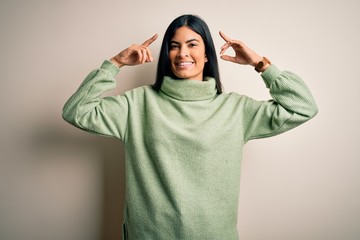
(206, 59)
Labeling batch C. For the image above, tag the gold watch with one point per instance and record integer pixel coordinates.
(261, 64)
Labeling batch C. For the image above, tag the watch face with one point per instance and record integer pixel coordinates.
(259, 66)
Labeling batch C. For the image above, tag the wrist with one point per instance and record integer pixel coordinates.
(113, 60)
(256, 61)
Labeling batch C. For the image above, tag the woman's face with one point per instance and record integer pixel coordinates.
(187, 54)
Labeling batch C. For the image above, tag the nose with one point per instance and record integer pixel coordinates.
(183, 52)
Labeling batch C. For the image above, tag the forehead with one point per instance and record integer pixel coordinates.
(184, 34)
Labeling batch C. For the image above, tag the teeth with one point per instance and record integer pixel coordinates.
(184, 63)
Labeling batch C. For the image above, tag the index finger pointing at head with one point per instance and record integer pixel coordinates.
(226, 38)
(150, 40)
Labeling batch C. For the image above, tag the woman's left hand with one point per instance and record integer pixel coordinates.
(243, 54)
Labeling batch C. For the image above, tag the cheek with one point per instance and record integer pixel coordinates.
(172, 56)
(202, 59)
(201, 56)
(172, 61)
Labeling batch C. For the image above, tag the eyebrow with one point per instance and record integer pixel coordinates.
(190, 40)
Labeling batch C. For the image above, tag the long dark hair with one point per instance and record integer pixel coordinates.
(195, 23)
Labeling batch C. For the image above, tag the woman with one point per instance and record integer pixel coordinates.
(183, 137)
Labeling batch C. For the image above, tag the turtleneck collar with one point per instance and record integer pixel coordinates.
(189, 90)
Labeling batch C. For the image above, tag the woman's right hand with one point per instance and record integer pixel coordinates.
(135, 54)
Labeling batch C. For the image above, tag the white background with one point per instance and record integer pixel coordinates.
(59, 183)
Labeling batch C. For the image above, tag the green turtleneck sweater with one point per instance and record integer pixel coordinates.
(183, 146)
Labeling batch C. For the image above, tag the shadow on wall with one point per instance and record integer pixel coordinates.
(72, 183)
(91, 168)
(113, 187)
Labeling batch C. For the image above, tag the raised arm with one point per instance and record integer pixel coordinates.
(292, 102)
(88, 110)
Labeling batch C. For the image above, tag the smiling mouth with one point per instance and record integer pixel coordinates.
(184, 64)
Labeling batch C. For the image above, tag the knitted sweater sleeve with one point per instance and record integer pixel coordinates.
(291, 105)
(89, 111)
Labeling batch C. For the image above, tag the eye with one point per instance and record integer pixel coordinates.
(191, 45)
(173, 46)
